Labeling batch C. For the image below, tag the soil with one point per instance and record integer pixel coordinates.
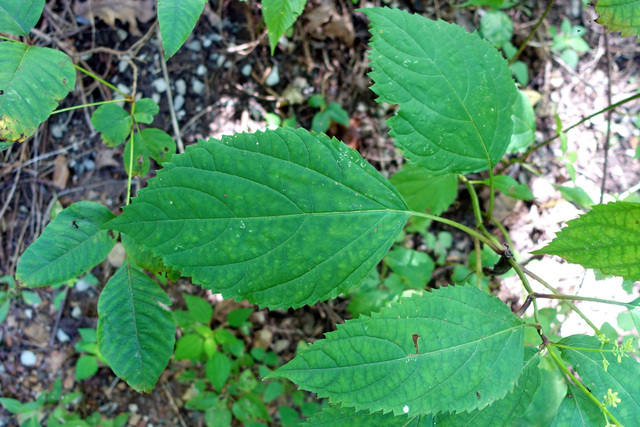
(224, 81)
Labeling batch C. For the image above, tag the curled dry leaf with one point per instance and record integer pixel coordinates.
(325, 21)
(124, 10)
(60, 172)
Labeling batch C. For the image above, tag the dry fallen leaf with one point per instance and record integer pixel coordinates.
(106, 157)
(325, 21)
(60, 172)
(124, 10)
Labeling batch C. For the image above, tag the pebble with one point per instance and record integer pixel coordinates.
(156, 97)
(124, 89)
(88, 164)
(274, 77)
(62, 336)
(206, 43)
(178, 102)
(159, 85)
(181, 87)
(280, 346)
(221, 60)
(28, 358)
(201, 70)
(28, 313)
(246, 70)
(57, 130)
(194, 45)
(122, 66)
(122, 34)
(82, 285)
(133, 408)
(197, 86)
(76, 312)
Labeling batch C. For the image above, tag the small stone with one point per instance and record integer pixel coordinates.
(88, 164)
(201, 70)
(122, 66)
(76, 312)
(197, 86)
(178, 102)
(156, 97)
(124, 89)
(82, 285)
(220, 60)
(274, 77)
(57, 130)
(206, 43)
(159, 85)
(122, 34)
(28, 312)
(194, 45)
(62, 336)
(280, 346)
(117, 255)
(181, 87)
(28, 358)
(133, 408)
(246, 70)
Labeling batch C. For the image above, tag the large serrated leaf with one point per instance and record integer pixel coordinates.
(454, 90)
(177, 18)
(19, 17)
(279, 16)
(505, 411)
(606, 238)
(578, 410)
(32, 81)
(283, 218)
(582, 352)
(70, 245)
(456, 349)
(349, 417)
(619, 15)
(136, 332)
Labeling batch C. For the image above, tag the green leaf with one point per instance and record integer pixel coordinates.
(510, 187)
(177, 19)
(423, 191)
(70, 245)
(576, 195)
(338, 114)
(189, 346)
(218, 369)
(141, 256)
(349, 417)
(577, 409)
(414, 267)
(12, 405)
(496, 27)
(4, 309)
(86, 367)
(418, 356)
(454, 90)
(145, 109)
(282, 218)
(199, 308)
(219, 415)
(32, 81)
(157, 143)
(318, 101)
(621, 375)
(140, 164)
(553, 388)
(606, 238)
(113, 122)
(320, 122)
(236, 318)
(136, 332)
(19, 17)
(619, 15)
(502, 412)
(279, 15)
(524, 124)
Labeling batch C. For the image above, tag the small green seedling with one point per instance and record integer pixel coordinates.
(569, 42)
(12, 292)
(328, 113)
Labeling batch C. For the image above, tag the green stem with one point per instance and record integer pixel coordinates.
(523, 158)
(106, 83)
(578, 298)
(533, 31)
(476, 245)
(491, 198)
(474, 198)
(464, 228)
(75, 107)
(566, 371)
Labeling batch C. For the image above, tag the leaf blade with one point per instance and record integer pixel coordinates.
(279, 16)
(33, 79)
(619, 15)
(451, 86)
(20, 17)
(606, 238)
(51, 260)
(270, 239)
(353, 365)
(136, 332)
(177, 18)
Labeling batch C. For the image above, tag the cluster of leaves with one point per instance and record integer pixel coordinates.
(232, 386)
(50, 406)
(286, 218)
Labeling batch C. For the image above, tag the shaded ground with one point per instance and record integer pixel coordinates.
(230, 82)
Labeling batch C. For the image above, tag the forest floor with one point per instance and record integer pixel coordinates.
(224, 81)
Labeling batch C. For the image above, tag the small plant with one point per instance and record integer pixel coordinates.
(50, 409)
(87, 363)
(12, 292)
(328, 113)
(569, 42)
